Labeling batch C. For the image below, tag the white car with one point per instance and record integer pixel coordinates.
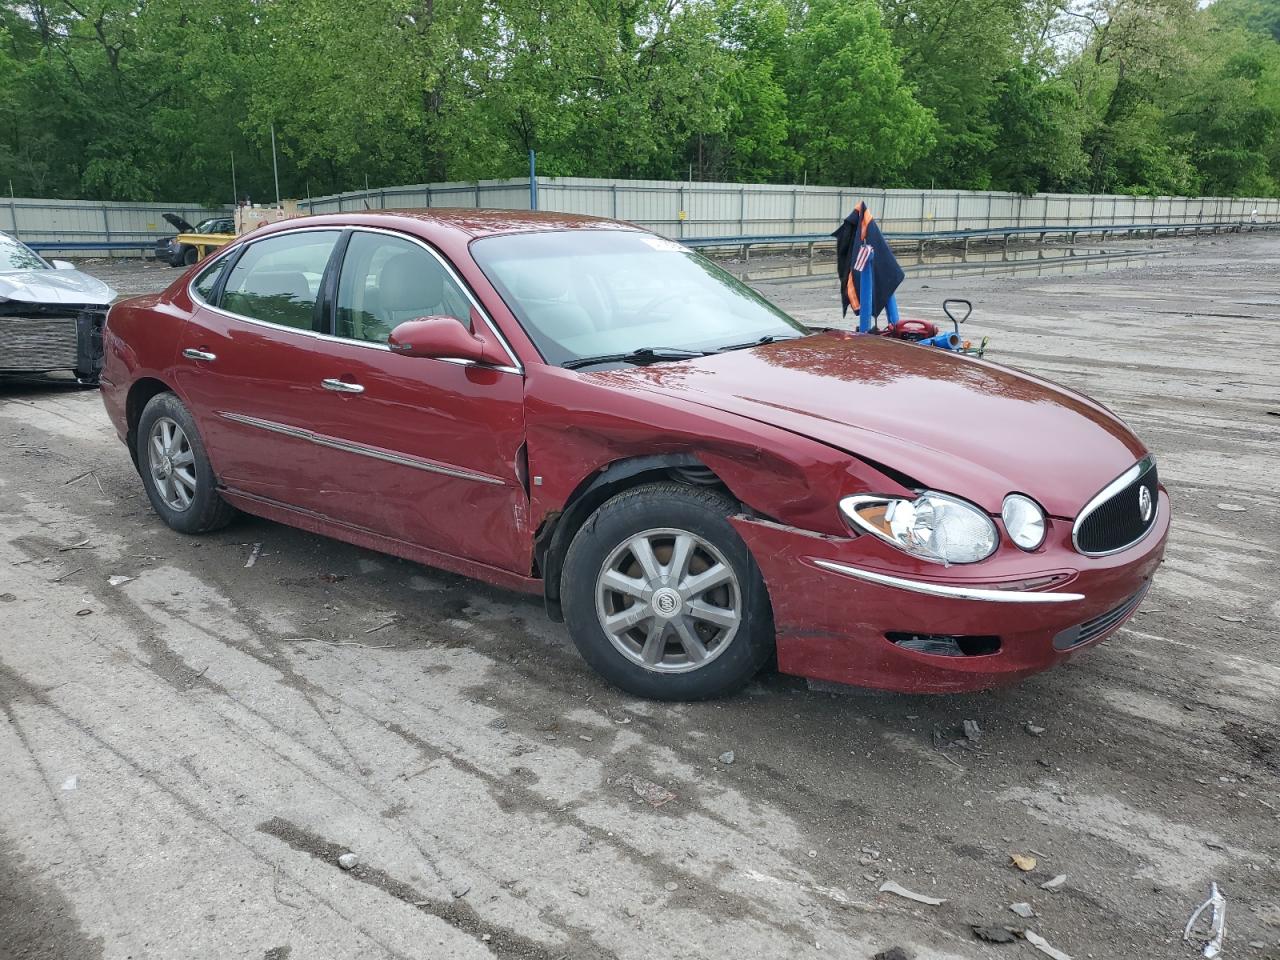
(51, 315)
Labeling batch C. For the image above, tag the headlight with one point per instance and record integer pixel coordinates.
(933, 526)
(1024, 520)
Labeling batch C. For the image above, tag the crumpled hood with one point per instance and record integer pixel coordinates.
(54, 287)
(955, 424)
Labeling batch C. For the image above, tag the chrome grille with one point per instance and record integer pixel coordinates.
(1113, 520)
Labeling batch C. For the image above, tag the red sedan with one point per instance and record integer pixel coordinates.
(694, 481)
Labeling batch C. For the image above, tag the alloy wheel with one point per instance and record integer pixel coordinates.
(668, 600)
(172, 463)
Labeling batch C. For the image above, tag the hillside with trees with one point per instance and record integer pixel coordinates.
(143, 99)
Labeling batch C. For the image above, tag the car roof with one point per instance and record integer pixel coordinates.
(462, 222)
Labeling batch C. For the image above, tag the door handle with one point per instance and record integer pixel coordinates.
(192, 354)
(341, 386)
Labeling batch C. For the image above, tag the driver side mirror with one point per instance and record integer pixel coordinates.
(444, 338)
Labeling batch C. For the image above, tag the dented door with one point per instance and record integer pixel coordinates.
(426, 451)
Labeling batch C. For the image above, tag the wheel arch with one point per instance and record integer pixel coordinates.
(551, 542)
(140, 394)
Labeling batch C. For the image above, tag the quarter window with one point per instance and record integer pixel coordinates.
(386, 281)
(209, 279)
(278, 279)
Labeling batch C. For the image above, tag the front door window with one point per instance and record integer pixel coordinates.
(386, 281)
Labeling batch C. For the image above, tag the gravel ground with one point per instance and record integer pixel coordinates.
(181, 772)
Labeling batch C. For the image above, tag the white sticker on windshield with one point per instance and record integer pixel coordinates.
(662, 243)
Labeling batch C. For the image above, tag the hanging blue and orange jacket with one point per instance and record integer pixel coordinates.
(861, 246)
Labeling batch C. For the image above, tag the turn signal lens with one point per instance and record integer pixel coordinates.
(1024, 521)
(934, 526)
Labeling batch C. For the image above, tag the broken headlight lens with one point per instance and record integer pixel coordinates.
(1024, 520)
(933, 526)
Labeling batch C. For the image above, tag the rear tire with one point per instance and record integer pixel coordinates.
(175, 468)
(663, 598)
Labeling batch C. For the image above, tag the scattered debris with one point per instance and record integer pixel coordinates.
(651, 793)
(348, 860)
(1212, 938)
(1054, 884)
(84, 545)
(7, 597)
(671, 886)
(254, 554)
(1044, 946)
(1032, 729)
(395, 618)
(727, 757)
(71, 782)
(337, 643)
(83, 612)
(1233, 619)
(1023, 862)
(1023, 910)
(993, 934)
(1232, 507)
(889, 886)
(972, 731)
(333, 577)
(119, 579)
(893, 953)
(69, 573)
(460, 890)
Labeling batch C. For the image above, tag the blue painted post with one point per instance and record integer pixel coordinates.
(533, 180)
(867, 288)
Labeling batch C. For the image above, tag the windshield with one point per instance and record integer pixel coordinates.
(592, 293)
(18, 256)
(210, 226)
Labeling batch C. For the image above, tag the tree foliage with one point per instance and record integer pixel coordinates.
(144, 99)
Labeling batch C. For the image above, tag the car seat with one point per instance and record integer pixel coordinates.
(410, 286)
(548, 307)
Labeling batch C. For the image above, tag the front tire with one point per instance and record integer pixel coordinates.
(663, 598)
(175, 468)
(190, 255)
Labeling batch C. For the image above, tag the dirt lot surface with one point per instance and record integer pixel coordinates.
(186, 754)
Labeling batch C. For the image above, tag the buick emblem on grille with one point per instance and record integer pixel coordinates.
(1145, 507)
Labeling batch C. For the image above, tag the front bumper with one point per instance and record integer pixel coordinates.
(837, 600)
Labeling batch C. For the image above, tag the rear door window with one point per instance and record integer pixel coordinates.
(277, 279)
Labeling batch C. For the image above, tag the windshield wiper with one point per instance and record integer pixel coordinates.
(767, 338)
(641, 355)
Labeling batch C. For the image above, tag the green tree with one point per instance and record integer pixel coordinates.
(853, 118)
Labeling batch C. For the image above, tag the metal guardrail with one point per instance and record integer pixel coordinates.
(811, 239)
(980, 233)
(56, 246)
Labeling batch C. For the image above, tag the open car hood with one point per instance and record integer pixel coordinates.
(953, 423)
(182, 226)
(55, 288)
